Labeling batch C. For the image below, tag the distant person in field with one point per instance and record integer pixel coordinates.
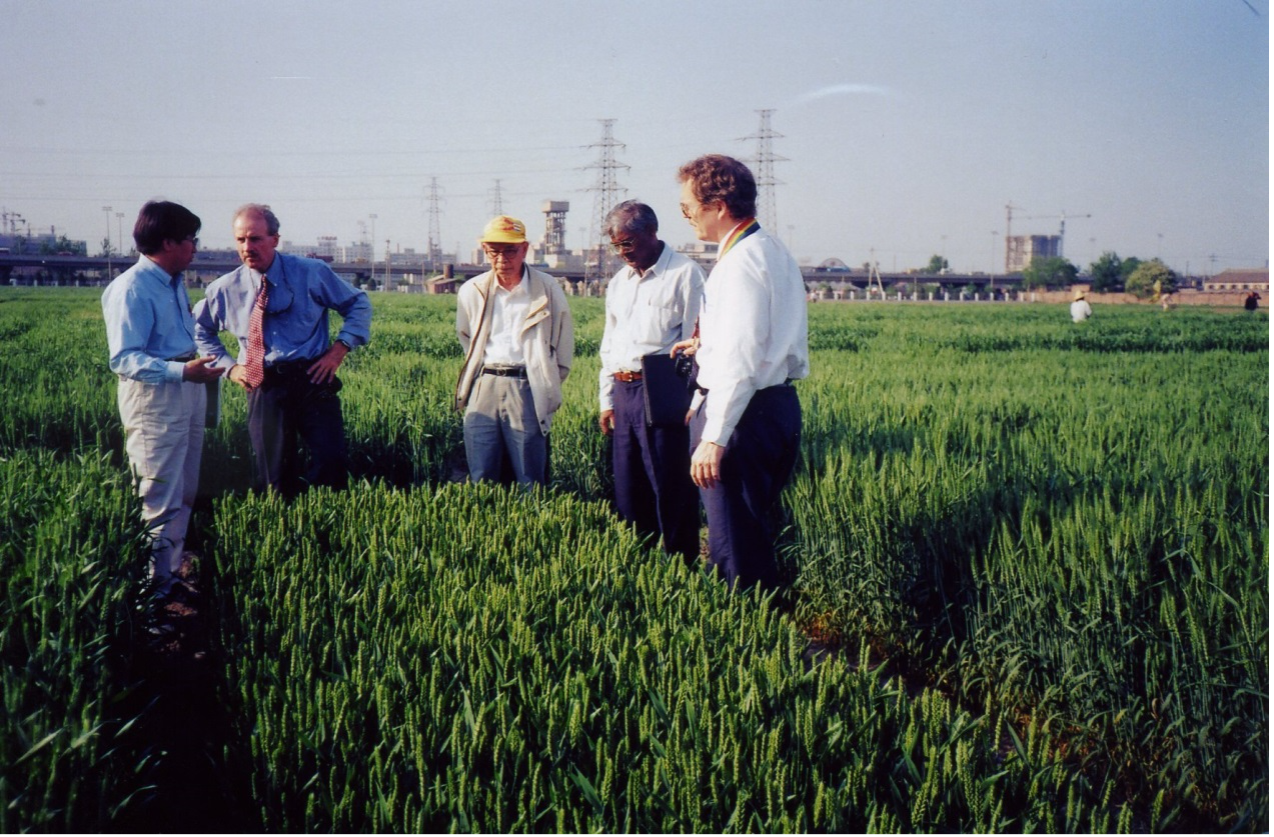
(277, 306)
(162, 397)
(651, 304)
(1080, 309)
(752, 344)
(1251, 302)
(515, 327)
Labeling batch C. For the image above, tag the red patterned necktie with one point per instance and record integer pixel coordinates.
(254, 362)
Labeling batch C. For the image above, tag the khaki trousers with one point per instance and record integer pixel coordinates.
(163, 436)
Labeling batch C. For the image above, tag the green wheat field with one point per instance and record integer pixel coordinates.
(1028, 569)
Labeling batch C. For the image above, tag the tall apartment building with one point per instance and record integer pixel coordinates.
(1019, 250)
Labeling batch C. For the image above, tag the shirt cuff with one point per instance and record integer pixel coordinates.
(173, 371)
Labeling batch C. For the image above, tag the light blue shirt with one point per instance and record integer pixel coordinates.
(302, 292)
(148, 323)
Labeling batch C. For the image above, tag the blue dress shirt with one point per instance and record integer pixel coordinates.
(148, 323)
(302, 292)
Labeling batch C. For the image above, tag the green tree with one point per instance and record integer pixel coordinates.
(1106, 274)
(62, 244)
(1150, 278)
(937, 264)
(107, 249)
(1127, 267)
(1052, 272)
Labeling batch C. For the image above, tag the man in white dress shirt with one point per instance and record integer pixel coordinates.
(651, 304)
(515, 327)
(752, 343)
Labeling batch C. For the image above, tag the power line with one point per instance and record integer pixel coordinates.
(434, 248)
(764, 161)
(497, 199)
(608, 193)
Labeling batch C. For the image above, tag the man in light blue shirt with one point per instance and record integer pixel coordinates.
(292, 386)
(162, 398)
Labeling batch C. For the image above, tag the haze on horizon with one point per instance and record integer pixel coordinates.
(907, 127)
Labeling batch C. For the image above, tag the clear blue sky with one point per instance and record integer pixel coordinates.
(907, 125)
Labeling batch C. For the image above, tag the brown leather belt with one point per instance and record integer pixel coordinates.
(627, 377)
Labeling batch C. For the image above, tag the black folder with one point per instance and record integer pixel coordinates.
(667, 396)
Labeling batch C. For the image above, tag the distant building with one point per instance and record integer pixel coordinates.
(46, 243)
(355, 253)
(1240, 279)
(1020, 250)
(703, 252)
(327, 249)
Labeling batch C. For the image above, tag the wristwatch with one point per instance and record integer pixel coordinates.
(344, 343)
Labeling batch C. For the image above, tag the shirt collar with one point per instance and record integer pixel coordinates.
(517, 290)
(274, 267)
(732, 231)
(520, 287)
(660, 265)
(148, 265)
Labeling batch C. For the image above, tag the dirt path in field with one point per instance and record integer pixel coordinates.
(184, 736)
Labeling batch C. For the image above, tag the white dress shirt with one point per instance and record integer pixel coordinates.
(647, 313)
(753, 329)
(508, 314)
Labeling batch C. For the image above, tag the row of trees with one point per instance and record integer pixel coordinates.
(1109, 273)
(1144, 280)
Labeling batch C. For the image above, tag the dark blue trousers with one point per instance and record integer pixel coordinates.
(758, 462)
(285, 409)
(653, 489)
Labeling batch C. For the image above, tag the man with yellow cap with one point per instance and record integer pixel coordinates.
(515, 327)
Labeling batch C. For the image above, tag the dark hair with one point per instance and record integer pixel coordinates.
(632, 217)
(271, 220)
(716, 177)
(161, 221)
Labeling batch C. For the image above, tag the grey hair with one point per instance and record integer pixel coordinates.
(271, 220)
(632, 217)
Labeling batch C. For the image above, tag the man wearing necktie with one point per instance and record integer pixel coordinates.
(277, 306)
(162, 397)
(752, 343)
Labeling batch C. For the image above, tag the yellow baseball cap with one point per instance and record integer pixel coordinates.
(504, 230)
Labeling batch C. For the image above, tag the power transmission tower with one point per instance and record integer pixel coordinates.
(764, 162)
(608, 193)
(434, 249)
(497, 199)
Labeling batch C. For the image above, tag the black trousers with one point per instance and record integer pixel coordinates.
(758, 463)
(653, 488)
(285, 409)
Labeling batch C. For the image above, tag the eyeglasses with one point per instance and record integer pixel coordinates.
(193, 239)
(686, 213)
(502, 252)
(625, 246)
